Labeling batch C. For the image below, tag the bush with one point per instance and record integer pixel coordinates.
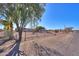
(40, 28)
(56, 31)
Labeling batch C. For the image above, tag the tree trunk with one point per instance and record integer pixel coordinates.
(20, 35)
(25, 36)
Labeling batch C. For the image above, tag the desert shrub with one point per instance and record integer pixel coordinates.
(56, 31)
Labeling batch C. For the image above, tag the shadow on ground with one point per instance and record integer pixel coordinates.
(15, 50)
(38, 49)
(2, 41)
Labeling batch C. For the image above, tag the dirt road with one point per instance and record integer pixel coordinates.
(73, 48)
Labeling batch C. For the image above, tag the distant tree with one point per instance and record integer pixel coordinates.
(38, 29)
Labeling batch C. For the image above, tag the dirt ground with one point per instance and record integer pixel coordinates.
(43, 44)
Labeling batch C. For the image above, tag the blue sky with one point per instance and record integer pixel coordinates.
(58, 15)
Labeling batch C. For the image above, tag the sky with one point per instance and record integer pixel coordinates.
(60, 15)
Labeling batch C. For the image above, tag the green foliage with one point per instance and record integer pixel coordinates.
(40, 28)
(22, 14)
(4, 22)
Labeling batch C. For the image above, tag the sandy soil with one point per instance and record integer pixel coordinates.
(44, 44)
